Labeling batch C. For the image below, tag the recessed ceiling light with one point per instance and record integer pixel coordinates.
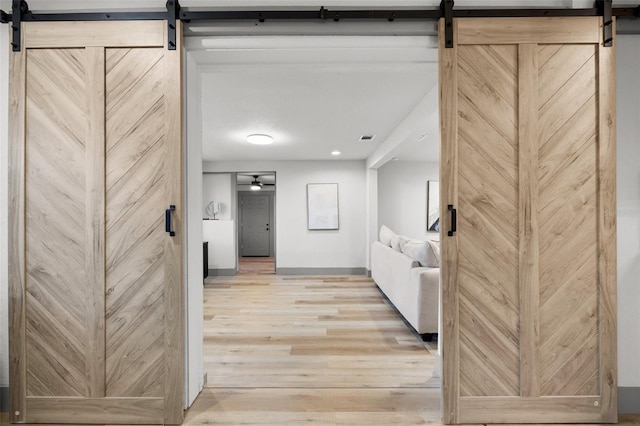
(335, 153)
(259, 139)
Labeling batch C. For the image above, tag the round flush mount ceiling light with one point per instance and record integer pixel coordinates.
(260, 139)
(335, 153)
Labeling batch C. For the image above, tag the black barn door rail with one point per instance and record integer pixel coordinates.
(21, 13)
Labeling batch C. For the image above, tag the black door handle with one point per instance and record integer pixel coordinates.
(454, 220)
(167, 220)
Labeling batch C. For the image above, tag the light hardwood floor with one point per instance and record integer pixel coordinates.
(311, 332)
(257, 265)
(311, 350)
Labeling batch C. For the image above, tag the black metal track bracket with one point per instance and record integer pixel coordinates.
(605, 9)
(19, 9)
(323, 13)
(446, 6)
(173, 11)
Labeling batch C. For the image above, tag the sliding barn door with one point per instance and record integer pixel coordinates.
(528, 170)
(95, 281)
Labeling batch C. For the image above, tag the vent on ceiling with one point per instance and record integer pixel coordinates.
(367, 138)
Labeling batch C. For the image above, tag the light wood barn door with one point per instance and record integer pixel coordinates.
(95, 281)
(529, 276)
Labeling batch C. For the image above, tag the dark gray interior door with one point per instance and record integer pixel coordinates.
(256, 228)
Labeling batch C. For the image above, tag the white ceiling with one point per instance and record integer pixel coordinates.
(313, 94)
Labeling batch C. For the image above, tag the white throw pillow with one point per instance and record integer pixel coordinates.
(386, 235)
(395, 242)
(420, 251)
(435, 246)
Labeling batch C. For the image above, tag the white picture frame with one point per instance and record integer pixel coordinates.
(322, 206)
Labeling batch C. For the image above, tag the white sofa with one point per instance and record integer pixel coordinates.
(412, 289)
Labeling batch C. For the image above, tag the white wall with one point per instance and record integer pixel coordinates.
(218, 187)
(4, 143)
(372, 212)
(402, 197)
(297, 247)
(194, 263)
(221, 236)
(221, 233)
(628, 120)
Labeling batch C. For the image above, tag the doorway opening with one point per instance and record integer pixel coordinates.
(320, 326)
(256, 223)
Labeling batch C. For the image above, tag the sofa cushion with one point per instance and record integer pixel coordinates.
(421, 251)
(386, 235)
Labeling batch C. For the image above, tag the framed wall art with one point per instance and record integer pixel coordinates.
(322, 206)
(433, 206)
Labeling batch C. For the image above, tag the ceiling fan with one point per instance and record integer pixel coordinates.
(256, 185)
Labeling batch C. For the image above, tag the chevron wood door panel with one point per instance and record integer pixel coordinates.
(528, 164)
(135, 185)
(96, 313)
(488, 229)
(568, 233)
(56, 241)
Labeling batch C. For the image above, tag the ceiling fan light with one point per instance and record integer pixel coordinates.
(260, 139)
(256, 186)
